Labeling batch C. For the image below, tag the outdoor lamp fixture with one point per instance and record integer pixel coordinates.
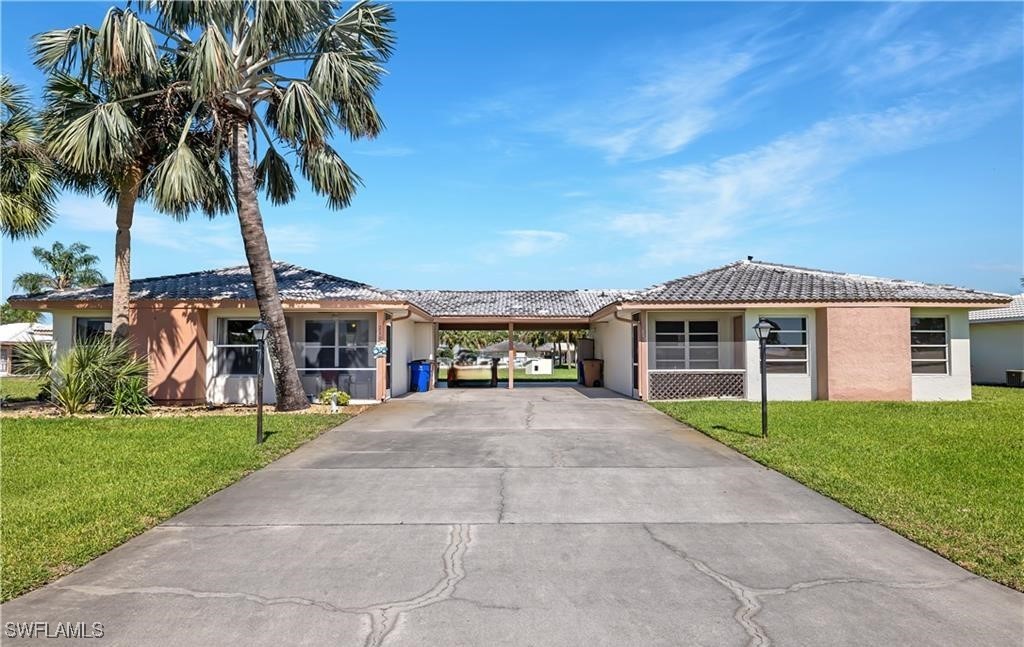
(259, 331)
(763, 328)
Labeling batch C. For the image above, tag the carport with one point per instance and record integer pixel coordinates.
(511, 325)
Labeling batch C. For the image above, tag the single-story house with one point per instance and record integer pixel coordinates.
(13, 334)
(997, 342)
(837, 336)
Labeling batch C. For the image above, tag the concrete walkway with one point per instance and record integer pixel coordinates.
(541, 516)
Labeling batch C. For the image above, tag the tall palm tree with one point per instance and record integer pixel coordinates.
(289, 74)
(27, 186)
(66, 267)
(114, 111)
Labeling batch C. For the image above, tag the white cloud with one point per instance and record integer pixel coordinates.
(92, 214)
(784, 182)
(519, 243)
(929, 59)
(658, 116)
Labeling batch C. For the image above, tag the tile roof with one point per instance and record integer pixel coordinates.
(757, 281)
(511, 303)
(293, 282)
(1013, 312)
(743, 281)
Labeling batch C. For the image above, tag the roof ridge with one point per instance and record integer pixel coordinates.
(870, 277)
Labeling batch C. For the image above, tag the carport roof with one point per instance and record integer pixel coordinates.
(537, 304)
(746, 281)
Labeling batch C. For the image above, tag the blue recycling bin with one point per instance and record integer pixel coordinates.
(419, 375)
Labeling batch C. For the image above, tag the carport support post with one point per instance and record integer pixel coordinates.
(511, 357)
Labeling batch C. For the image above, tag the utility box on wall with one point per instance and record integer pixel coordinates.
(540, 367)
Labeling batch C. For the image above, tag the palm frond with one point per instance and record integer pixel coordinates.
(182, 183)
(125, 47)
(100, 139)
(64, 49)
(211, 65)
(301, 115)
(329, 175)
(275, 176)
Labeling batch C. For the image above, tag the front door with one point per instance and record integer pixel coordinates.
(636, 355)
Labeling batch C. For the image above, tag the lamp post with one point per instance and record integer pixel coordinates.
(763, 328)
(259, 331)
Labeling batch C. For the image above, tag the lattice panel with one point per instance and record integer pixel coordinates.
(689, 385)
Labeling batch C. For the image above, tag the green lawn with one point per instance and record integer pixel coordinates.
(948, 475)
(19, 389)
(559, 374)
(73, 488)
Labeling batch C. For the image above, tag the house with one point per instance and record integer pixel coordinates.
(997, 342)
(837, 336)
(13, 334)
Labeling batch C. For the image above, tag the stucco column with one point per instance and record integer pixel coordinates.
(511, 357)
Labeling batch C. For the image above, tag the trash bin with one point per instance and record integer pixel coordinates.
(593, 372)
(419, 375)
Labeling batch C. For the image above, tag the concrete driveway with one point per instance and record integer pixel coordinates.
(542, 516)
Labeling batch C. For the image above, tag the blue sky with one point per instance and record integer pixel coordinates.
(619, 145)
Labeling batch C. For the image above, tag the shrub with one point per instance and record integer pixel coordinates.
(101, 373)
(130, 396)
(327, 394)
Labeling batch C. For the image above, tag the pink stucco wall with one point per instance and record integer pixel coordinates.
(864, 353)
(174, 338)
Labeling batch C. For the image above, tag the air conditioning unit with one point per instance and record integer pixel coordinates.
(1015, 378)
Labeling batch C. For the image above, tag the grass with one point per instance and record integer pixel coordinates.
(948, 475)
(73, 488)
(19, 389)
(558, 374)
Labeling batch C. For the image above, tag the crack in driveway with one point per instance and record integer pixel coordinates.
(501, 495)
(383, 617)
(750, 597)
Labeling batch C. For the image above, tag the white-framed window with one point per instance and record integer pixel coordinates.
(235, 347)
(91, 327)
(786, 348)
(686, 345)
(929, 346)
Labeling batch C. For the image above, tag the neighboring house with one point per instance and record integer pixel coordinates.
(18, 333)
(997, 342)
(839, 336)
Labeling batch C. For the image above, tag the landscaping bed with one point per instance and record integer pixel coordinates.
(75, 487)
(947, 475)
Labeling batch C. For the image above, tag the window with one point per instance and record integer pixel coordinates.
(786, 348)
(86, 329)
(928, 346)
(236, 347)
(339, 353)
(681, 345)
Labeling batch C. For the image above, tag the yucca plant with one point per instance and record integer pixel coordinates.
(28, 188)
(114, 111)
(94, 374)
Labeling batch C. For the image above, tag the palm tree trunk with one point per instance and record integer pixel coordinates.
(126, 199)
(290, 395)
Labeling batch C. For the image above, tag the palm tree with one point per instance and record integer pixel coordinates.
(66, 267)
(27, 187)
(114, 111)
(289, 73)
